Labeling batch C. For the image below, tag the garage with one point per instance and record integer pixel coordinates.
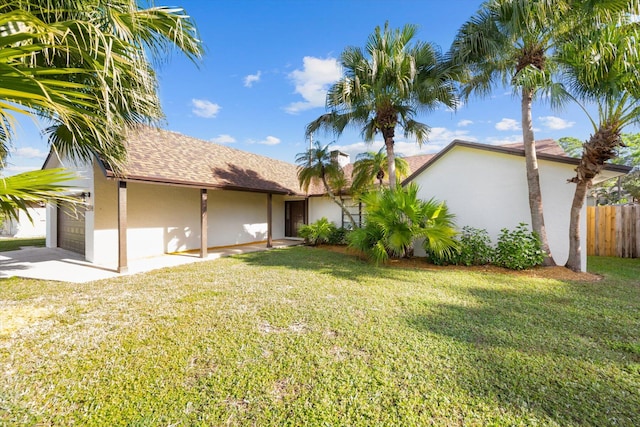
(71, 228)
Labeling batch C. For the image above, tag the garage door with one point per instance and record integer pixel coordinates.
(71, 228)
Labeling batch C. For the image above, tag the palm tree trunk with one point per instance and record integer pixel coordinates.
(391, 158)
(338, 202)
(533, 176)
(574, 262)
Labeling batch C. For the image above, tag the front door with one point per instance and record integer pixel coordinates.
(294, 217)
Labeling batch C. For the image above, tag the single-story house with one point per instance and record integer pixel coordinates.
(177, 193)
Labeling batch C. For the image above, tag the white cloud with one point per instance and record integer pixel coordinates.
(508, 124)
(223, 139)
(204, 108)
(29, 153)
(269, 140)
(512, 139)
(438, 139)
(252, 78)
(12, 170)
(463, 123)
(555, 123)
(312, 82)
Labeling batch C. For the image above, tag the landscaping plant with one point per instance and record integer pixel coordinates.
(518, 249)
(395, 218)
(319, 232)
(474, 248)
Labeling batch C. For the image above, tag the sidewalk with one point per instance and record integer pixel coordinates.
(65, 266)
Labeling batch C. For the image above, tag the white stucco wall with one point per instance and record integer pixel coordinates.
(24, 227)
(488, 190)
(324, 207)
(163, 219)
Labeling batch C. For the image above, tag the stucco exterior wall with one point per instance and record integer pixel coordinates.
(24, 227)
(489, 190)
(324, 207)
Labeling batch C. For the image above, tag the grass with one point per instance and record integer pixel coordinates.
(15, 244)
(304, 336)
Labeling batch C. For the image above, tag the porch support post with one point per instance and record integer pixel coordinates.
(204, 232)
(122, 227)
(269, 219)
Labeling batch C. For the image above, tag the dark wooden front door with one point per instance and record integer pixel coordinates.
(294, 217)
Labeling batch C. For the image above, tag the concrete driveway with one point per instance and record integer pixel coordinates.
(65, 266)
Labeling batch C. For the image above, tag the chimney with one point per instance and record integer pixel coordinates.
(340, 157)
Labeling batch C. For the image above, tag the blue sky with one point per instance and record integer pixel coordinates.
(268, 65)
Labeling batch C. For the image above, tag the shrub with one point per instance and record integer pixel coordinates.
(318, 232)
(338, 236)
(395, 218)
(473, 248)
(518, 249)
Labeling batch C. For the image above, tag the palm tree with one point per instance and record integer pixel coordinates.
(371, 166)
(317, 164)
(395, 217)
(601, 65)
(87, 68)
(386, 87)
(83, 67)
(508, 42)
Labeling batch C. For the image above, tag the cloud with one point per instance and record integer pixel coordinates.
(13, 169)
(463, 123)
(204, 108)
(312, 82)
(555, 123)
(438, 139)
(223, 139)
(513, 139)
(269, 140)
(508, 124)
(252, 78)
(29, 153)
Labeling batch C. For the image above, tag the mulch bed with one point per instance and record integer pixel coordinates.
(558, 273)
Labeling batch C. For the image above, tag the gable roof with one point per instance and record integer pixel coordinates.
(546, 149)
(161, 156)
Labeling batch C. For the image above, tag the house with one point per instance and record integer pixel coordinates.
(28, 224)
(177, 193)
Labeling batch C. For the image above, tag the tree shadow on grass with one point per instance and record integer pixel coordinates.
(564, 356)
(342, 266)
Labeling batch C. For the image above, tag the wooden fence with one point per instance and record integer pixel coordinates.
(613, 231)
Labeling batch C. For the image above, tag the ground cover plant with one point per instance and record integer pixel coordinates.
(305, 336)
(15, 244)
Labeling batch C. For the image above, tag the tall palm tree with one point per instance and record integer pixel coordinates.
(371, 166)
(83, 66)
(92, 62)
(508, 42)
(601, 65)
(386, 86)
(317, 164)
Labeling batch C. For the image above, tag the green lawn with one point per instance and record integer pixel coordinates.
(15, 244)
(304, 336)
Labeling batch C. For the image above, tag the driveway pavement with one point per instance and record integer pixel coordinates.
(65, 266)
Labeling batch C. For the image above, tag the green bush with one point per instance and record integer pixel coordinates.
(318, 232)
(338, 236)
(394, 218)
(473, 248)
(518, 249)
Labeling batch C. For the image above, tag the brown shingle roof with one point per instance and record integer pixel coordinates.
(155, 155)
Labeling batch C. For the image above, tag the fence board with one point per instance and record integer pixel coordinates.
(613, 231)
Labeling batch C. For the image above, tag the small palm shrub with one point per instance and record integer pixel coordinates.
(518, 249)
(318, 232)
(474, 248)
(394, 218)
